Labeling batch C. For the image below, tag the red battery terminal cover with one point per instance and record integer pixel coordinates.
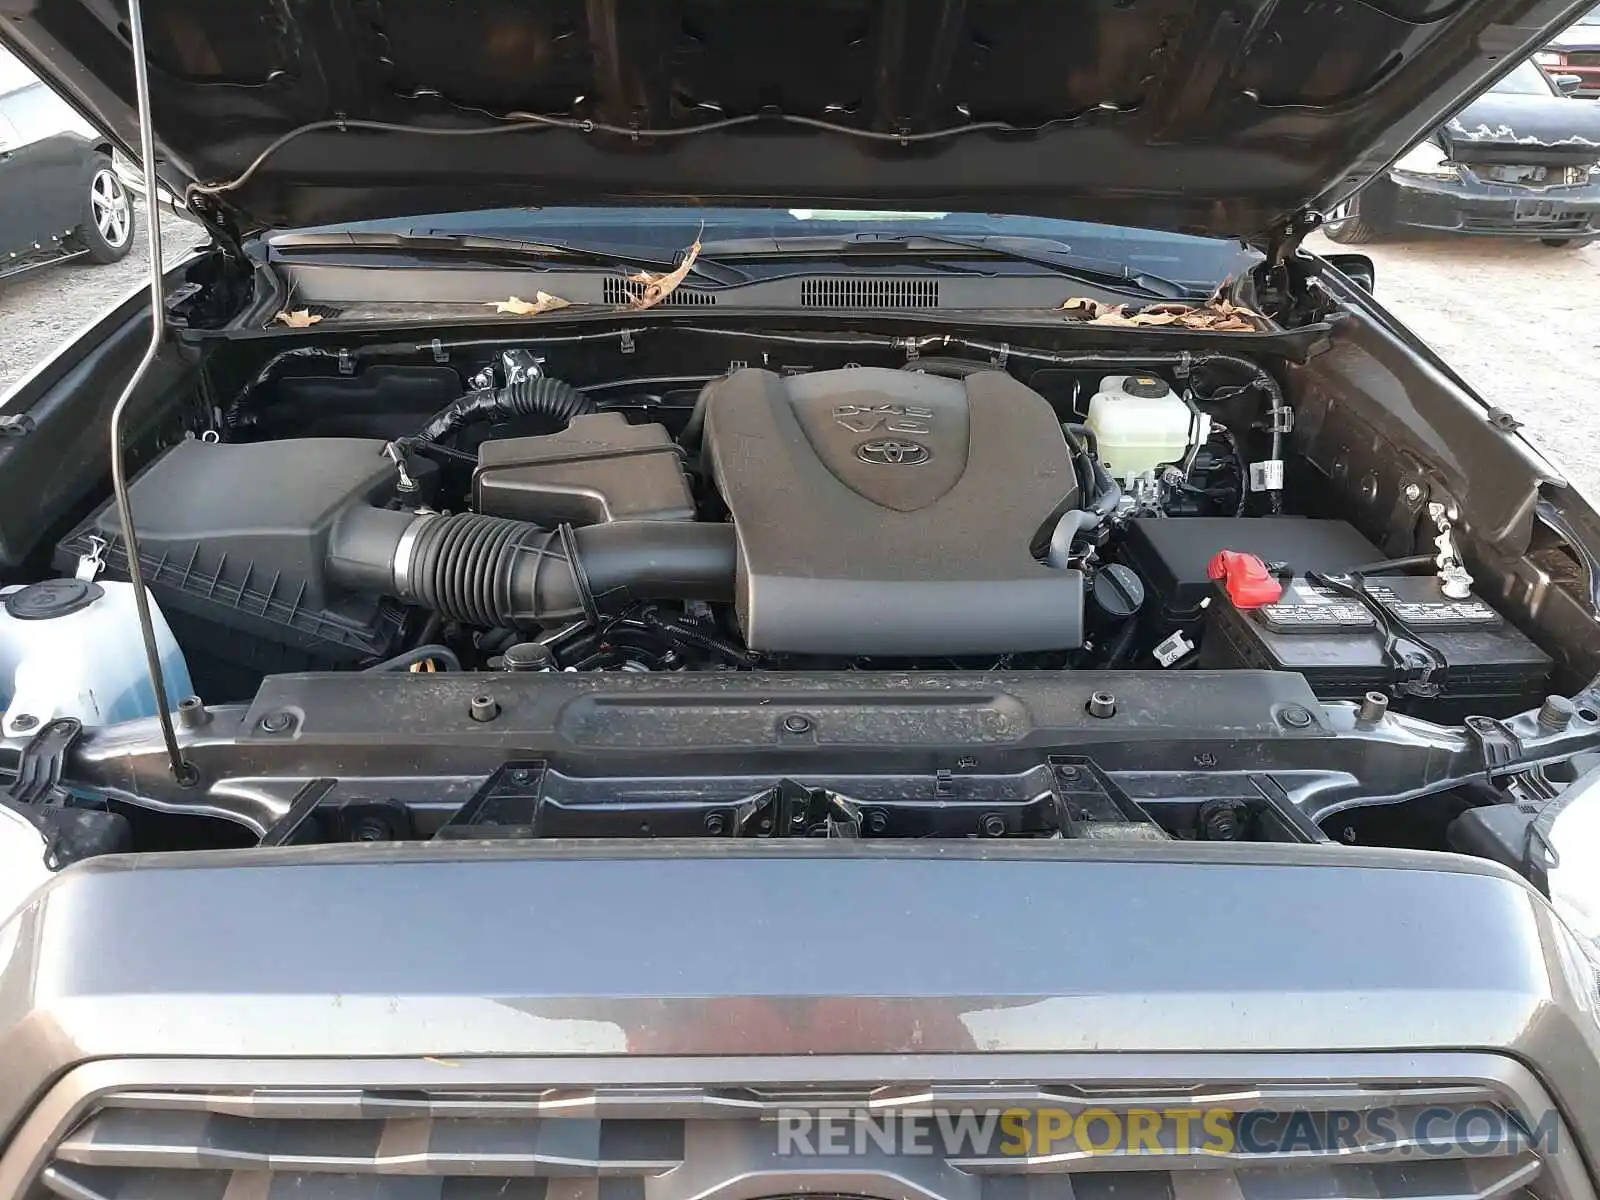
(1246, 578)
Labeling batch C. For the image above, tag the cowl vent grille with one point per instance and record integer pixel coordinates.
(856, 292)
(614, 289)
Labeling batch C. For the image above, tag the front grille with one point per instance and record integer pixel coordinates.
(868, 292)
(1529, 173)
(1560, 222)
(617, 289)
(684, 1144)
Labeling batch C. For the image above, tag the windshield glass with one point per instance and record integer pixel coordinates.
(1528, 79)
(662, 231)
(1592, 17)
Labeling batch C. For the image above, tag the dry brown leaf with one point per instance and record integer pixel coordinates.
(1217, 315)
(542, 302)
(299, 318)
(658, 287)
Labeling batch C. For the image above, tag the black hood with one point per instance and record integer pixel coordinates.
(1213, 116)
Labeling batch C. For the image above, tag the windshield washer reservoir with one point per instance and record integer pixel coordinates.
(71, 648)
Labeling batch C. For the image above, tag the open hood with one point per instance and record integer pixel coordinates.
(1225, 117)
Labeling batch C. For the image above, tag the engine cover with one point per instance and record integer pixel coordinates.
(885, 512)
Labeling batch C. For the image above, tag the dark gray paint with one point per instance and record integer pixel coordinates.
(646, 950)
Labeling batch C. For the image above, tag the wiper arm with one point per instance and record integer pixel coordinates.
(1043, 252)
(505, 248)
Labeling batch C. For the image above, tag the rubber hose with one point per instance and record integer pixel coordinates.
(1084, 434)
(402, 662)
(1074, 523)
(1105, 494)
(541, 397)
(492, 572)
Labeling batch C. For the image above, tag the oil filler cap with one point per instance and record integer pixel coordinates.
(1245, 577)
(53, 598)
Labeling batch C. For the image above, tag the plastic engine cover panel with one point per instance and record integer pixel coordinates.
(884, 512)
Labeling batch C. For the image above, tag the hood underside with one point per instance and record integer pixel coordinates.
(1224, 118)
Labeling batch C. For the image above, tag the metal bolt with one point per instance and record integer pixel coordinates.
(1102, 705)
(519, 777)
(716, 823)
(192, 713)
(483, 708)
(797, 723)
(1374, 707)
(877, 821)
(1205, 759)
(1068, 771)
(1347, 835)
(1295, 717)
(992, 825)
(1413, 493)
(372, 830)
(23, 722)
(277, 722)
(966, 762)
(1555, 714)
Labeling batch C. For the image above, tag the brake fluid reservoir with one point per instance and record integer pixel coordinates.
(1140, 423)
(69, 648)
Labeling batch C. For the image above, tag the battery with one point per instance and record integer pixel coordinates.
(1172, 555)
(1335, 640)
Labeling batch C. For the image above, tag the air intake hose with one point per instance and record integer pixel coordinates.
(492, 572)
(540, 397)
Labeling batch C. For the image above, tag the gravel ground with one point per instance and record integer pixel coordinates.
(42, 309)
(1520, 322)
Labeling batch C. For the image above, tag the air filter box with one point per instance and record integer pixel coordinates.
(233, 541)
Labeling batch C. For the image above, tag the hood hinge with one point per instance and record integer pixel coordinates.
(217, 223)
(1283, 278)
(1284, 238)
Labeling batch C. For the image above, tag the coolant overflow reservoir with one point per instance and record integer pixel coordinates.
(70, 648)
(1140, 424)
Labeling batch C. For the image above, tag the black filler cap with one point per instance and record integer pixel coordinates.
(1145, 387)
(53, 598)
(1118, 592)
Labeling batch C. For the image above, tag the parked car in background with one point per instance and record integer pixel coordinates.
(60, 197)
(1519, 161)
(1576, 51)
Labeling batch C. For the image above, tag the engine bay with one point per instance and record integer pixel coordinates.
(944, 514)
(532, 587)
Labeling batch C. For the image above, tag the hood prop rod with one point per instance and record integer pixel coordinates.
(182, 771)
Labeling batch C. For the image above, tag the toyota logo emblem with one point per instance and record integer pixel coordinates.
(893, 454)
